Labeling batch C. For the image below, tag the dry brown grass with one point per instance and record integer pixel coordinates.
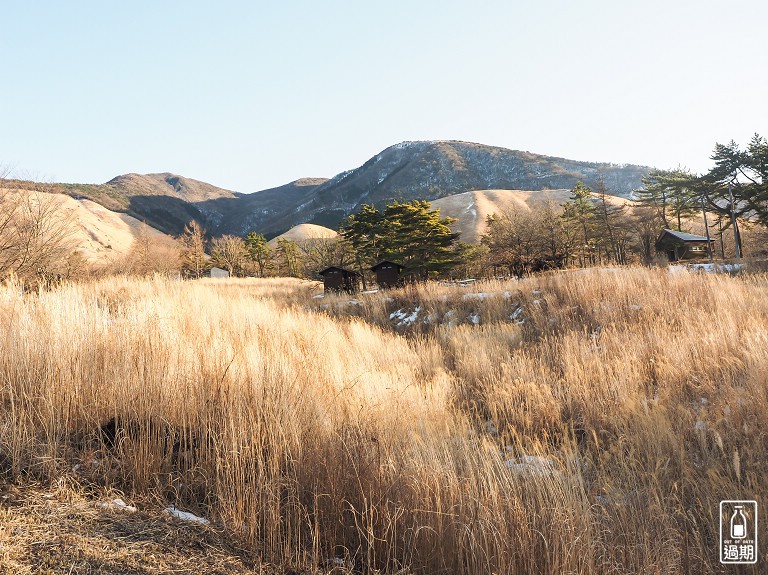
(310, 429)
(63, 531)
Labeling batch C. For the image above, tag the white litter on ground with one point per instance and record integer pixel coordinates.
(185, 515)
(534, 465)
(481, 296)
(710, 268)
(404, 317)
(117, 504)
(474, 318)
(318, 296)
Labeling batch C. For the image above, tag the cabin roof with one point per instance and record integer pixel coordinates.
(684, 236)
(344, 270)
(374, 267)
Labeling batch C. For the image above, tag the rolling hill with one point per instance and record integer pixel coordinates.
(304, 232)
(427, 170)
(100, 235)
(471, 209)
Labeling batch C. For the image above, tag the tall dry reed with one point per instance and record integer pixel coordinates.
(582, 422)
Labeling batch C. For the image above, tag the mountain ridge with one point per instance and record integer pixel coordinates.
(433, 169)
(422, 169)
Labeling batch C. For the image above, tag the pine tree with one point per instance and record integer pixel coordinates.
(289, 258)
(579, 212)
(409, 233)
(419, 238)
(259, 251)
(673, 194)
(365, 231)
(737, 185)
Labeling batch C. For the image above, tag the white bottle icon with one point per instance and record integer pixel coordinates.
(738, 523)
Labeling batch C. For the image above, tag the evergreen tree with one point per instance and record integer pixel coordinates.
(737, 185)
(580, 212)
(289, 258)
(409, 233)
(365, 231)
(419, 238)
(673, 194)
(259, 251)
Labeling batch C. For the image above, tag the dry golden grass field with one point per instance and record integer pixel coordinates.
(577, 422)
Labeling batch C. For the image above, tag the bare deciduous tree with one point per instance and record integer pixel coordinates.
(150, 255)
(194, 262)
(319, 253)
(36, 236)
(230, 253)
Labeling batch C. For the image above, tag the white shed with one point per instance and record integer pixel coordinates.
(218, 273)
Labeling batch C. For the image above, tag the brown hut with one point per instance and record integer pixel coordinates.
(387, 273)
(681, 246)
(336, 279)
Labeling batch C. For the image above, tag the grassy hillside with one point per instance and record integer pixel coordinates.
(304, 232)
(100, 235)
(580, 422)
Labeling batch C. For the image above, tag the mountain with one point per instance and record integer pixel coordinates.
(410, 170)
(258, 211)
(167, 201)
(432, 170)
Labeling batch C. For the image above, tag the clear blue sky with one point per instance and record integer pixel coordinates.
(249, 95)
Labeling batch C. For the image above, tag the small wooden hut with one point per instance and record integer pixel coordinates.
(681, 246)
(336, 279)
(387, 273)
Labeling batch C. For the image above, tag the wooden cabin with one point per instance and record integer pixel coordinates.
(336, 279)
(387, 273)
(681, 246)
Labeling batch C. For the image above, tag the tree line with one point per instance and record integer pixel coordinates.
(409, 232)
(590, 229)
(730, 202)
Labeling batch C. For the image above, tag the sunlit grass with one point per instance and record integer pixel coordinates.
(314, 428)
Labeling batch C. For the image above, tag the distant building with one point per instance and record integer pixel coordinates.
(217, 273)
(387, 273)
(681, 246)
(336, 279)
